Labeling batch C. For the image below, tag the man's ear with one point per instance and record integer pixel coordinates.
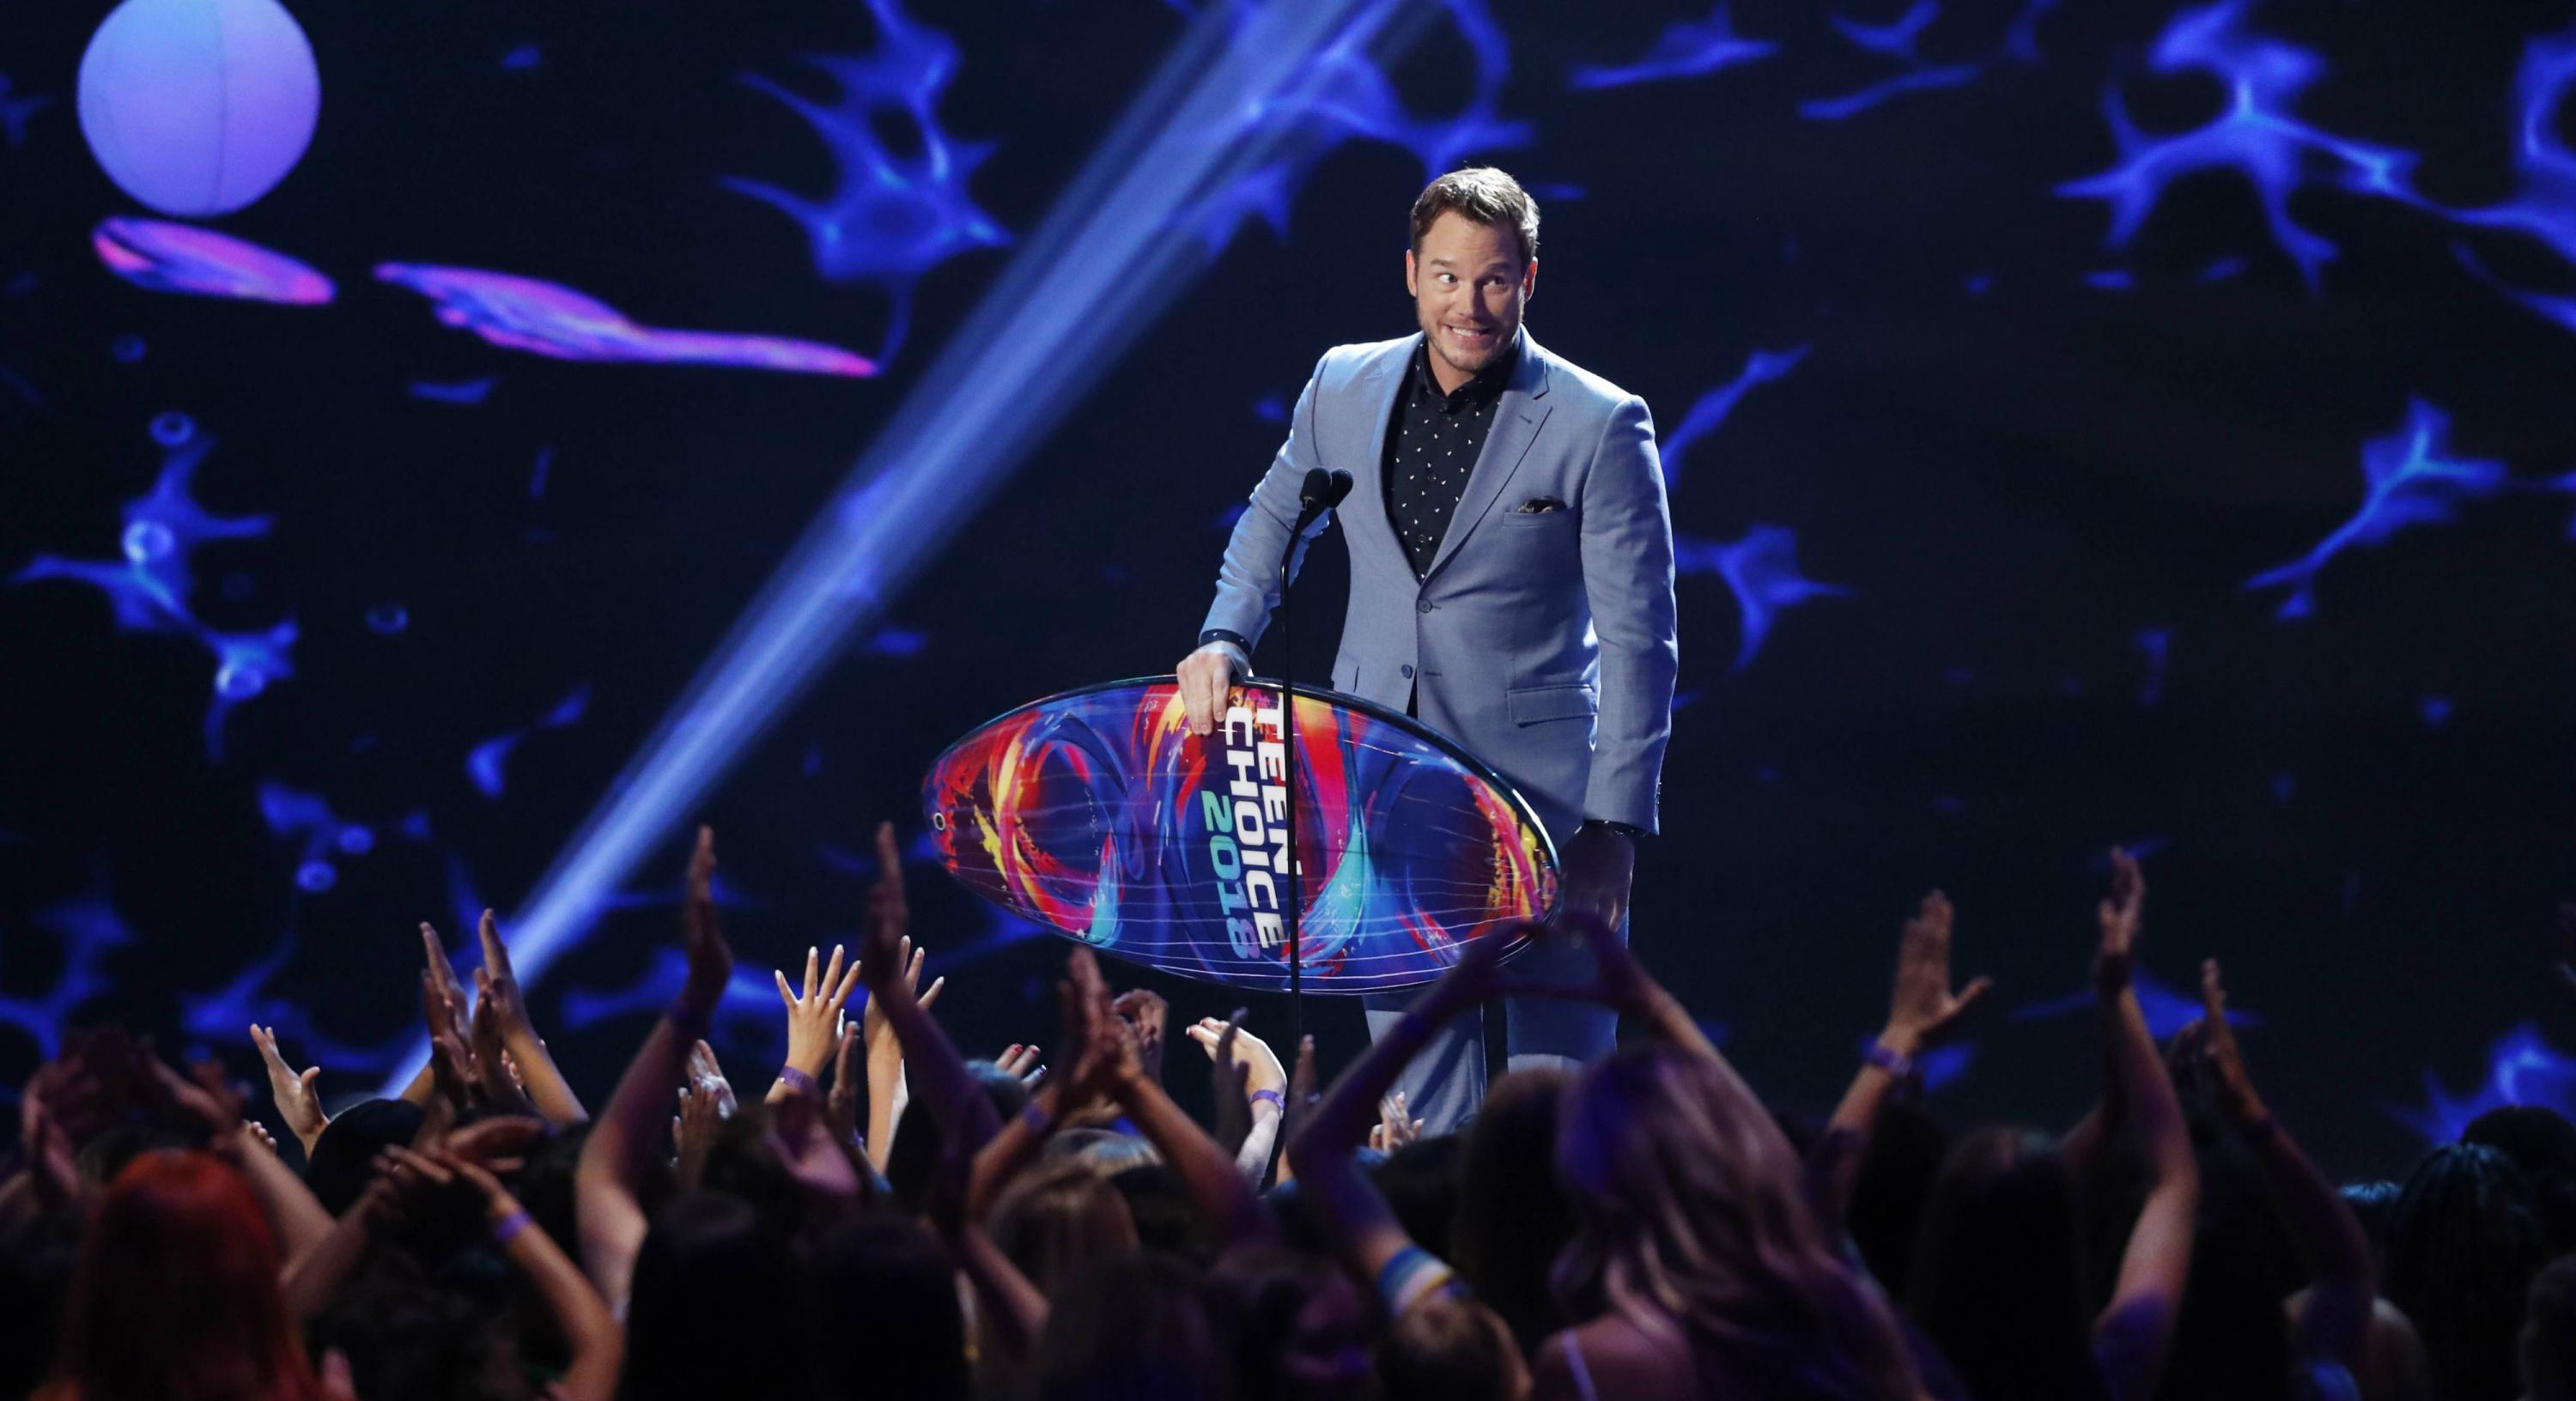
(1529, 280)
(1409, 289)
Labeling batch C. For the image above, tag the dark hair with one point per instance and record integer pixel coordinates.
(1888, 1192)
(176, 1294)
(1129, 1326)
(1257, 1297)
(2228, 1338)
(1164, 1216)
(344, 1157)
(1998, 1278)
(1420, 1183)
(2461, 1254)
(710, 1275)
(883, 1270)
(1513, 1218)
(1447, 1348)
(2374, 1205)
(2542, 1143)
(915, 1150)
(38, 1258)
(1484, 194)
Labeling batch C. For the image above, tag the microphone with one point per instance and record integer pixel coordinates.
(1322, 492)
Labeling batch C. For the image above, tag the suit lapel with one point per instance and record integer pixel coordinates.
(1379, 385)
(1518, 412)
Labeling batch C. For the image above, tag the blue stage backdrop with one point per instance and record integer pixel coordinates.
(2084, 424)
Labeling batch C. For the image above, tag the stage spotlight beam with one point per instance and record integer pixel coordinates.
(1114, 251)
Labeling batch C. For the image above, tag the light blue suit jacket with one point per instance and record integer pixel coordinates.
(1541, 640)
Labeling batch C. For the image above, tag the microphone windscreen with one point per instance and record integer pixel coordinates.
(1317, 494)
(1339, 487)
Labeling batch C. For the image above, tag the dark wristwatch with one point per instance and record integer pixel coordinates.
(1629, 830)
(1221, 635)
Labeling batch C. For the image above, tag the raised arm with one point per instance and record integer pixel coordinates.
(597, 1343)
(1325, 1152)
(2342, 1287)
(498, 997)
(813, 1023)
(1250, 1089)
(629, 1131)
(292, 1090)
(1111, 1067)
(1921, 1013)
(936, 1072)
(2136, 1328)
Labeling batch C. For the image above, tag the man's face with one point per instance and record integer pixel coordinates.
(1469, 285)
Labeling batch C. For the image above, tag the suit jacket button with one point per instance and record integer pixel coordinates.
(1422, 608)
(1408, 671)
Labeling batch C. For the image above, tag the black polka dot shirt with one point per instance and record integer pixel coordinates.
(1431, 445)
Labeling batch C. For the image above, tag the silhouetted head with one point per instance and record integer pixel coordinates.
(1165, 1219)
(176, 1293)
(1451, 1348)
(1691, 1215)
(1058, 1216)
(344, 1157)
(1420, 1182)
(1125, 1327)
(1292, 1326)
(718, 1306)
(2228, 1340)
(2542, 1143)
(2462, 1250)
(1998, 1277)
(1513, 1219)
(2374, 1205)
(915, 1150)
(883, 1273)
(1889, 1190)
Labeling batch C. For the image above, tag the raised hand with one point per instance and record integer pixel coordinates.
(876, 1033)
(710, 958)
(1020, 1063)
(292, 1090)
(1108, 1057)
(814, 1016)
(451, 1063)
(494, 1077)
(497, 984)
(449, 1005)
(2121, 914)
(693, 1134)
(1149, 1017)
(707, 1078)
(497, 1144)
(1394, 1128)
(2220, 1055)
(883, 950)
(1923, 1011)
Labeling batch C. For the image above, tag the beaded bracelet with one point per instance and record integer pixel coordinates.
(1277, 1100)
(509, 1226)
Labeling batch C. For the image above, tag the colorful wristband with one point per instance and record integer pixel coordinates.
(796, 1079)
(1277, 1100)
(510, 1225)
(1035, 1118)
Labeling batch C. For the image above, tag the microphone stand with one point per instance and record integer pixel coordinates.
(1322, 492)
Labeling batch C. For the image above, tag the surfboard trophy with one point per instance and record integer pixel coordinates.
(1321, 492)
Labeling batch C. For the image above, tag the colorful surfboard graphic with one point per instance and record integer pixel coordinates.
(1097, 813)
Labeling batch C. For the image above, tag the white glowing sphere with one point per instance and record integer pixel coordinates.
(198, 107)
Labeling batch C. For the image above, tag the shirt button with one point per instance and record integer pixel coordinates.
(1408, 671)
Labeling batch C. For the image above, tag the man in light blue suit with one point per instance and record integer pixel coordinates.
(1511, 583)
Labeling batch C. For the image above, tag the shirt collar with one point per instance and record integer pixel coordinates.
(1487, 385)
